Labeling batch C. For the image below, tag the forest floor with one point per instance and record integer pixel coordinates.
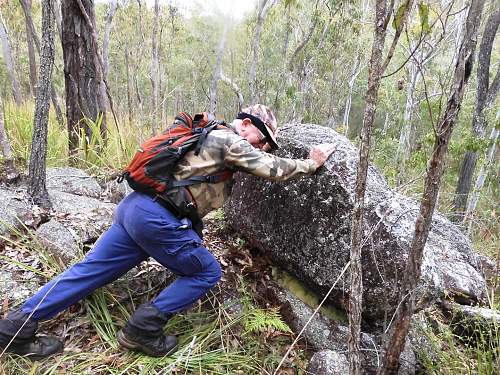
(234, 330)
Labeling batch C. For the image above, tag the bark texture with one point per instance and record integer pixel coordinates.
(32, 35)
(486, 94)
(356, 278)
(4, 140)
(217, 72)
(37, 187)
(82, 70)
(255, 49)
(105, 43)
(463, 68)
(9, 62)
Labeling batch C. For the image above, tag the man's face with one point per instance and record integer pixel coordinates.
(252, 134)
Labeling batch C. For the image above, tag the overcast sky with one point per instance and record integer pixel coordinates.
(234, 8)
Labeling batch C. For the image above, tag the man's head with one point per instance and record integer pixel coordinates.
(258, 125)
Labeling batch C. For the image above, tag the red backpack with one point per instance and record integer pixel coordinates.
(151, 169)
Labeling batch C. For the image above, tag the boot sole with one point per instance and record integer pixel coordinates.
(131, 345)
(36, 357)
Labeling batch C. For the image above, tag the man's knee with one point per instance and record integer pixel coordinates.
(210, 270)
(214, 273)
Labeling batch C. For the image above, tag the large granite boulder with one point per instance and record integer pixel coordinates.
(304, 225)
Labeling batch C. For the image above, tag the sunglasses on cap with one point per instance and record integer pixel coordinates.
(262, 126)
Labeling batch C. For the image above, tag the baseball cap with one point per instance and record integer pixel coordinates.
(263, 119)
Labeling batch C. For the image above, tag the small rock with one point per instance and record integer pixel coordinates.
(58, 241)
(116, 191)
(328, 362)
(326, 334)
(14, 211)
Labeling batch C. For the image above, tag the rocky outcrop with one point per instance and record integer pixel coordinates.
(76, 219)
(325, 335)
(304, 225)
(328, 362)
(73, 181)
(59, 241)
(88, 217)
(15, 212)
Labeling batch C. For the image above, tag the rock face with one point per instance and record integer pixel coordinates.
(304, 225)
(73, 181)
(88, 217)
(58, 240)
(77, 218)
(14, 212)
(327, 336)
(328, 362)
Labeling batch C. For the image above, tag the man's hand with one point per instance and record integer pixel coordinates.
(320, 153)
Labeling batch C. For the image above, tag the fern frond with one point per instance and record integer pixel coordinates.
(260, 320)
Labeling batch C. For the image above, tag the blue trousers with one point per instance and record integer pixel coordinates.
(141, 228)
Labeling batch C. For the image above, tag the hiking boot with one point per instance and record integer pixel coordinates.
(154, 346)
(40, 347)
(144, 332)
(17, 334)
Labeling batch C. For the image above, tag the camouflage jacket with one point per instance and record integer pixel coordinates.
(225, 149)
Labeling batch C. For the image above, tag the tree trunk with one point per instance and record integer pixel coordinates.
(485, 95)
(217, 72)
(154, 69)
(394, 346)
(4, 140)
(82, 71)
(356, 274)
(36, 187)
(404, 146)
(105, 43)
(255, 50)
(57, 13)
(483, 173)
(9, 62)
(235, 88)
(355, 71)
(31, 32)
(31, 49)
(129, 89)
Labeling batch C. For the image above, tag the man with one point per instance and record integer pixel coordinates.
(143, 227)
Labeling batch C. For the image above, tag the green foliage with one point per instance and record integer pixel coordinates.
(446, 354)
(213, 338)
(218, 215)
(398, 17)
(19, 127)
(423, 13)
(259, 320)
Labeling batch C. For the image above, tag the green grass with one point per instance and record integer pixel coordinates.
(450, 355)
(213, 340)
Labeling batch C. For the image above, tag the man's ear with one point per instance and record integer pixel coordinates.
(246, 122)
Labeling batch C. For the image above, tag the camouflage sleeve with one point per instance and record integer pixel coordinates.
(244, 157)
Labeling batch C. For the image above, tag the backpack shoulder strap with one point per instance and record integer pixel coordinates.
(204, 133)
